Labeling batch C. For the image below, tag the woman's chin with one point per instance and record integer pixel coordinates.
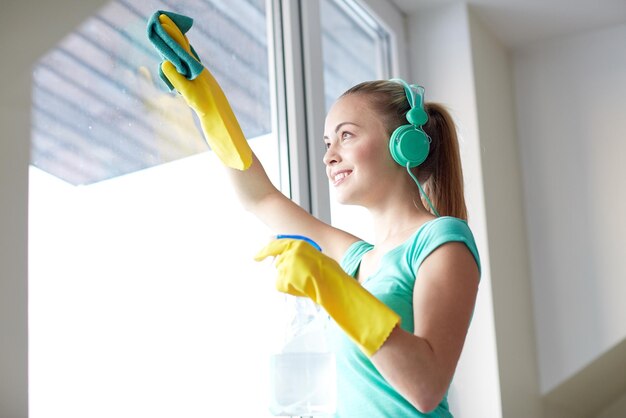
(345, 200)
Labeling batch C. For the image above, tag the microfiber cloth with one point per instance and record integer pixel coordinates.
(187, 65)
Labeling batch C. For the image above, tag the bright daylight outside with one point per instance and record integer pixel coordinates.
(144, 299)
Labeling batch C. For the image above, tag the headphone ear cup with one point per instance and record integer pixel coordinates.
(409, 144)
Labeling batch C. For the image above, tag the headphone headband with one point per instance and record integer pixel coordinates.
(407, 90)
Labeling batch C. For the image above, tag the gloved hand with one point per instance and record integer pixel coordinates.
(204, 95)
(304, 271)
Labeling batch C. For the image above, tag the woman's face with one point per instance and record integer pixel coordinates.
(357, 159)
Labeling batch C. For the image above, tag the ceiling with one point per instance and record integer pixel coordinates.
(519, 22)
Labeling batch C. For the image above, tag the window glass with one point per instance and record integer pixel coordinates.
(100, 109)
(355, 48)
(144, 300)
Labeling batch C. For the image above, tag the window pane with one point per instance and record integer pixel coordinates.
(355, 49)
(100, 109)
(144, 300)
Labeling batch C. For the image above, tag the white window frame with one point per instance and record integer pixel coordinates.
(306, 108)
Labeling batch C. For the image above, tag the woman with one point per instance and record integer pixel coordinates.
(403, 303)
(422, 267)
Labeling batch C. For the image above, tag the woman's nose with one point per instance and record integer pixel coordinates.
(331, 157)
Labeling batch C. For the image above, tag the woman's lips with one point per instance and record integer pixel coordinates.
(340, 176)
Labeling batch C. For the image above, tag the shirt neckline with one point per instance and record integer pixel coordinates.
(388, 253)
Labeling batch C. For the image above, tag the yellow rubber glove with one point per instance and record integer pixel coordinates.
(304, 271)
(204, 95)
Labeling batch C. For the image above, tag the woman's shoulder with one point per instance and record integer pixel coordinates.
(445, 225)
(438, 232)
(443, 228)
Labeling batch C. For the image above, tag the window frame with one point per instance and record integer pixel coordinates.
(305, 99)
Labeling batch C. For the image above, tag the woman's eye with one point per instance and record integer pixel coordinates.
(345, 135)
(327, 145)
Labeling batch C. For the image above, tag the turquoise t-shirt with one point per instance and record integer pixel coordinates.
(361, 389)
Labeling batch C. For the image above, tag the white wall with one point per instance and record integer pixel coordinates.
(545, 126)
(571, 107)
(23, 45)
(441, 60)
(502, 182)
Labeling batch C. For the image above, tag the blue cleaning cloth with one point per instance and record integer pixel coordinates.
(186, 64)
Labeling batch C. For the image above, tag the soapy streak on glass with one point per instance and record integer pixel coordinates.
(98, 100)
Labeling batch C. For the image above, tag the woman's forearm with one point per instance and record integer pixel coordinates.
(410, 365)
(251, 185)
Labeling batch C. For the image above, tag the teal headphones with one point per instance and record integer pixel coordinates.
(409, 143)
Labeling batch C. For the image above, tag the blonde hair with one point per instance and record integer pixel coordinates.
(441, 173)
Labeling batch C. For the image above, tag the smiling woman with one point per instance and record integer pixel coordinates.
(401, 306)
(354, 141)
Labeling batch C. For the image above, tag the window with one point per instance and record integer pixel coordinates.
(136, 310)
(356, 48)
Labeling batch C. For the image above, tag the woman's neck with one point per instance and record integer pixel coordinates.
(395, 221)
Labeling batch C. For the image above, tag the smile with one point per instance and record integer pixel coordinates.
(340, 177)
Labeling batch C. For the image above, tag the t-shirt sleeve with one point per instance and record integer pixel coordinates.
(352, 258)
(441, 231)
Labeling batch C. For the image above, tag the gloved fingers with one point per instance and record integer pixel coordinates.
(172, 30)
(178, 80)
(284, 271)
(284, 286)
(274, 248)
(288, 278)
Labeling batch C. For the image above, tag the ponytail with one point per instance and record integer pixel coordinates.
(440, 174)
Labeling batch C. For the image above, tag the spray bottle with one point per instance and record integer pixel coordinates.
(302, 368)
